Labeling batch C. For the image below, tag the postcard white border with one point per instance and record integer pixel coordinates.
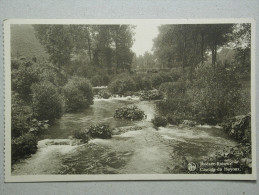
(119, 177)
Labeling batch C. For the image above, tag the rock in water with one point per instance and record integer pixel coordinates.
(239, 127)
(189, 123)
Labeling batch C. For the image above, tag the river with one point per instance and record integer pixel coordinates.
(135, 148)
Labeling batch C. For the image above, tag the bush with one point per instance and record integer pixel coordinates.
(215, 93)
(78, 94)
(82, 135)
(172, 105)
(130, 113)
(158, 78)
(175, 118)
(46, 102)
(122, 84)
(104, 94)
(37, 127)
(159, 121)
(151, 95)
(23, 76)
(100, 79)
(173, 89)
(142, 82)
(24, 145)
(176, 110)
(100, 131)
(21, 116)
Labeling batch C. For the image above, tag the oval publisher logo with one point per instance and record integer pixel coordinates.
(192, 166)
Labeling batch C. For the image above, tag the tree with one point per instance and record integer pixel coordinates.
(217, 36)
(179, 46)
(241, 41)
(122, 36)
(57, 41)
(186, 45)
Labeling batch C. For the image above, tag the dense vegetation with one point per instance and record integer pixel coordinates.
(78, 94)
(196, 72)
(159, 121)
(129, 113)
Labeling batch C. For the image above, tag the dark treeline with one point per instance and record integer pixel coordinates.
(204, 79)
(91, 51)
(187, 45)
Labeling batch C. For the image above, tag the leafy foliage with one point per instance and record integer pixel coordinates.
(159, 121)
(78, 94)
(103, 45)
(215, 93)
(104, 94)
(142, 82)
(46, 102)
(122, 84)
(24, 145)
(129, 113)
(21, 116)
(23, 76)
(173, 89)
(158, 78)
(37, 127)
(100, 131)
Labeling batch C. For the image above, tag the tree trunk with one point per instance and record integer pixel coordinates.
(183, 55)
(214, 53)
(89, 48)
(202, 48)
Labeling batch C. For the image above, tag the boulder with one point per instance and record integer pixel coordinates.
(189, 123)
(239, 127)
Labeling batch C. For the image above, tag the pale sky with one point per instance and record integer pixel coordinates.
(145, 33)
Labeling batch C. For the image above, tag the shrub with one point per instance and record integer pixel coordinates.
(122, 84)
(46, 102)
(159, 121)
(82, 135)
(172, 105)
(175, 118)
(100, 79)
(21, 116)
(78, 94)
(104, 94)
(23, 76)
(100, 131)
(37, 127)
(215, 93)
(176, 109)
(151, 95)
(130, 113)
(158, 78)
(173, 89)
(176, 74)
(24, 145)
(142, 82)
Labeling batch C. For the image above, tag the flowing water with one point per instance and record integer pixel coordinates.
(135, 148)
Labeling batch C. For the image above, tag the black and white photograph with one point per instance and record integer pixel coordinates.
(129, 100)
